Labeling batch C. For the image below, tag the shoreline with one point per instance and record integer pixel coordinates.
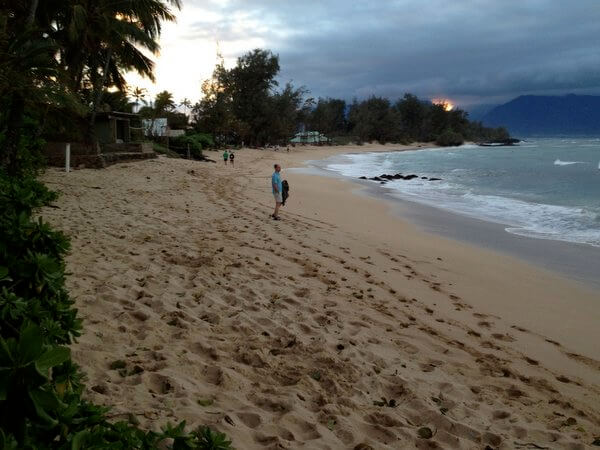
(287, 334)
(578, 262)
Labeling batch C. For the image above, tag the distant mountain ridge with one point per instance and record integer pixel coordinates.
(477, 112)
(531, 115)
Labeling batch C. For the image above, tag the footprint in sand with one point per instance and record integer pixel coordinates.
(159, 384)
(251, 420)
(503, 337)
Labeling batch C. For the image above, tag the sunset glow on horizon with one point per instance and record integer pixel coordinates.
(447, 104)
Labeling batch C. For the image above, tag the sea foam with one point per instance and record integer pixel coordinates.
(558, 162)
(515, 187)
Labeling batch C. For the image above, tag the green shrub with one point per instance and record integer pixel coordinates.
(41, 404)
(204, 139)
(30, 159)
(196, 143)
(449, 138)
(164, 150)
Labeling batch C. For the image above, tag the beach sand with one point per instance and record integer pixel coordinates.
(337, 326)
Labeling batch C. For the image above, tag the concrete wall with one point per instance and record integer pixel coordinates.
(87, 155)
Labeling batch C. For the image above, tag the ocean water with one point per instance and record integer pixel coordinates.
(543, 188)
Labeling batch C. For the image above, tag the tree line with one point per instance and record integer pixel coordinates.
(244, 105)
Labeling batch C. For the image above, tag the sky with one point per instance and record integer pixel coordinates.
(470, 52)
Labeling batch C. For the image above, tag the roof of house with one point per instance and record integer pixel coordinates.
(309, 136)
(116, 115)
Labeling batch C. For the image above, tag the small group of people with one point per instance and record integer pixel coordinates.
(228, 156)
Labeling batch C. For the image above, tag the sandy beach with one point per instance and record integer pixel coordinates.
(342, 326)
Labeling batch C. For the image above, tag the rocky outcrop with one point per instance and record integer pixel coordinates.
(398, 176)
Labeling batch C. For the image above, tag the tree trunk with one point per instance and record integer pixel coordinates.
(98, 95)
(32, 11)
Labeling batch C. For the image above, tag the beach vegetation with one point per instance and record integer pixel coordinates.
(374, 120)
(163, 150)
(194, 142)
(328, 116)
(449, 138)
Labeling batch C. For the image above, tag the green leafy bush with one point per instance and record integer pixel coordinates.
(41, 404)
(196, 143)
(449, 138)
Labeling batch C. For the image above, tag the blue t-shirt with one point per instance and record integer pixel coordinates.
(276, 181)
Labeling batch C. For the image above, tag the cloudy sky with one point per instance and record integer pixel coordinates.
(467, 51)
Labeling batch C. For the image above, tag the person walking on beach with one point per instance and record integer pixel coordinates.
(231, 157)
(225, 156)
(277, 189)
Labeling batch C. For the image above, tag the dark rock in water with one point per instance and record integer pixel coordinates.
(383, 178)
(382, 182)
(499, 142)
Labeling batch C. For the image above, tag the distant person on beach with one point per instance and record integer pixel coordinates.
(231, 157)
(225, 157)
(277, 190)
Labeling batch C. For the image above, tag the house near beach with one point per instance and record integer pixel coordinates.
(310, 137)
(118, 137)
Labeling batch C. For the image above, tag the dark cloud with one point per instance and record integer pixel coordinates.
(474, 51)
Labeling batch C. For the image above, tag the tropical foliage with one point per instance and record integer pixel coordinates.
(58, 59)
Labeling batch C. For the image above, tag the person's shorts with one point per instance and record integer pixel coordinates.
(278, 197)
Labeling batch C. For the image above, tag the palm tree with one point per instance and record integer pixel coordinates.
(163, 103)
(104, 38)
(139, 94)
(186, 103)
(77, 46)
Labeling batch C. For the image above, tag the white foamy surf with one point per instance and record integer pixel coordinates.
(558, 162)
(514, 186)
